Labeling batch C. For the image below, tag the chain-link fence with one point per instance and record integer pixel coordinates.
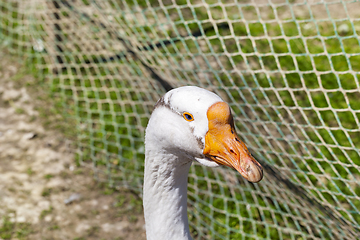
(288, 68)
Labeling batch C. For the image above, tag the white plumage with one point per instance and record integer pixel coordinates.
(187, 124)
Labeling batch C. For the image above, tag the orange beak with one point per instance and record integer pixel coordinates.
(223, 146)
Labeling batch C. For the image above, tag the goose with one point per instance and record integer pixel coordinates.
(187, 124)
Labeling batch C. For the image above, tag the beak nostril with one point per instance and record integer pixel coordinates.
(233, 152)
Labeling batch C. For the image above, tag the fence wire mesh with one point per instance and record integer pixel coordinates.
(288, 68)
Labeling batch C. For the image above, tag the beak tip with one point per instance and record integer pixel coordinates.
(254, 173)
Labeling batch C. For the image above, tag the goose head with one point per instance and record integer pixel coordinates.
(197, 125)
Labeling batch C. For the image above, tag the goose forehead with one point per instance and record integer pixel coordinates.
(191, 99)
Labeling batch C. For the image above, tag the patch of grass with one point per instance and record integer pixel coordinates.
(19, 110)
(82, 216)
(7, 228)
(64, 174)
(79, 171)
(48, 176)
(93, 231)
(132, 218)
(108, 191)
(54, 227)
(46, 212)
(23, 230)
(14, 230)
(29, 171)
(46, 192)
(128, 203)
(95, 212)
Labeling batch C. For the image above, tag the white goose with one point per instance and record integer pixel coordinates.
(187, 124)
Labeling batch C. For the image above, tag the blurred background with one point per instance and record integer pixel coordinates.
(288, 68)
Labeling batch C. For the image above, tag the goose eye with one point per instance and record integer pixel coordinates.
(188, 116)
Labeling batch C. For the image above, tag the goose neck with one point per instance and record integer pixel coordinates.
(165, 196)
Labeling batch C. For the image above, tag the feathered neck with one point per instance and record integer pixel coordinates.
(165, 196)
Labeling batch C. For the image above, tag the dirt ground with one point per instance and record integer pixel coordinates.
(43, 194)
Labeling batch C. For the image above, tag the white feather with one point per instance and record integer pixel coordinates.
(171, 144)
